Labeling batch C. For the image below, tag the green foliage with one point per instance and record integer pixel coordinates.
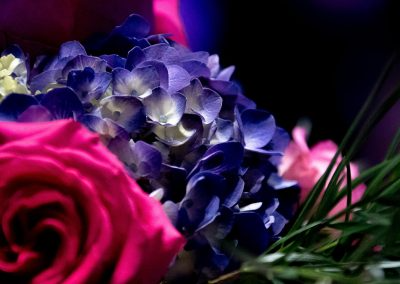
(360, 244)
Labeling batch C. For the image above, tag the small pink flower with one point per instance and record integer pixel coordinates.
(306, 165)
(70, 213)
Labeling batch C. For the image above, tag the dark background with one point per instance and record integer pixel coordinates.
(319, 60)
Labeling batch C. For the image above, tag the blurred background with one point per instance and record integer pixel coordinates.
(315, 59)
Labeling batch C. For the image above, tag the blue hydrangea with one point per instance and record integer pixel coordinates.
(183, 129)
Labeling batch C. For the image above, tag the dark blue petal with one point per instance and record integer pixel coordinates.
(14, 50)
(278, 224)
(62, 103)
(255, 242)
(133, 26)
(15, 104)
(114, 60)
(173, 180)
(87, 84)
(135, 57)
(234, 192)
(201, 203)
(243, 102)
(127, 111)
(229, 158)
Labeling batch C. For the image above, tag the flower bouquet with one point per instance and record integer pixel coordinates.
(128, 158)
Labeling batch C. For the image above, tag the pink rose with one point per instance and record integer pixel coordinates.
(306, 165)
(42, 25)
(70, 214)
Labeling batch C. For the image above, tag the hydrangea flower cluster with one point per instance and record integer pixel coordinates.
(183, 129)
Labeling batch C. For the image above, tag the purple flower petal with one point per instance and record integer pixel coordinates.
(35, 113)
(15, 104)
(164, 108)
(87, 84)
(62, 103)
(114, 60)
(257, 127)
(135, 57)
(201, 203)
(225, 74)
(82, 61)
(71, 49)
(222, 131)
(43, 80)
(107, 129)
(161, 70)
(140, 82)
(256, 242)
(178, 78)
(161, 52)
(196, 69)
(134, 26)
(127, 111)
(147, 158)
(204, 102)
(187, 130)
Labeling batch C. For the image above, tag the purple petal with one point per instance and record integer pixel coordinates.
(161, 70)
(35, 113)
(213, 65)
(71, 49)
(257, 127)
(15, 104)
(233, 197)
(233, 153)
(62, 103)
(196, 69)
(204, 102)
(135, 57)
(44, 79)
(225, 74)
(164, 108)
(127, 111)
(161, 52)
(134, 26)
(178, 78)
(105, 127)
(114, 60)
(201, 203)
(259, 239)
(188, 130)
(87, 84)
(140, 82)
(223, 131)
(147, 159)
(82, 61)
